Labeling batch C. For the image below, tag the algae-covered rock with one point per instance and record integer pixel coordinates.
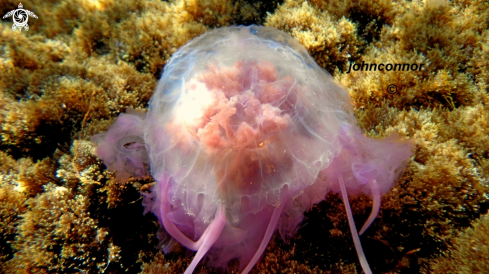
(83, 62)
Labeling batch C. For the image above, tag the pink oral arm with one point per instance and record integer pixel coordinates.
(375, 207)
(266, 238)
(210, 236)
(353, 229)
(173, 230)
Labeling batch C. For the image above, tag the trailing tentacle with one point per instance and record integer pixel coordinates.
(209, 237)
(353, 229)
(268, 233)
(375, 207)
(172, 229)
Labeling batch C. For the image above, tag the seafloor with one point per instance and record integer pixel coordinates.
(82, 62)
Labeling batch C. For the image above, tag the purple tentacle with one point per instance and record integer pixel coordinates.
(353, 229)
(268, 233)
(209, 237)
(375, 207)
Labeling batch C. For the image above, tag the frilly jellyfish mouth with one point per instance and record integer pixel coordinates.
(235, 106)
(242, 123)
(238, 113)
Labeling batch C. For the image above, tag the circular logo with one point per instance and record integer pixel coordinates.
(20, 18)
(391, 89)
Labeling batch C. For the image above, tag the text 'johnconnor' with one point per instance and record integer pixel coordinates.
(381, 67)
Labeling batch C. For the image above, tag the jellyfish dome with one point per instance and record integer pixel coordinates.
(243, 134)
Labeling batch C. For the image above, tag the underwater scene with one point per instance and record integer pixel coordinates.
(244, 136)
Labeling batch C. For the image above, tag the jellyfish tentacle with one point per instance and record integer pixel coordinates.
(266, 238)
(353, 229)
(268, 233)
(209, 237)
(375, 207)
(172, 229)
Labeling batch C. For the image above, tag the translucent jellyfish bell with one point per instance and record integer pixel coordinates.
(244, 133)
(242, 98)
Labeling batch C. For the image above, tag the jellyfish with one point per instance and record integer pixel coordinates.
(244, 133)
